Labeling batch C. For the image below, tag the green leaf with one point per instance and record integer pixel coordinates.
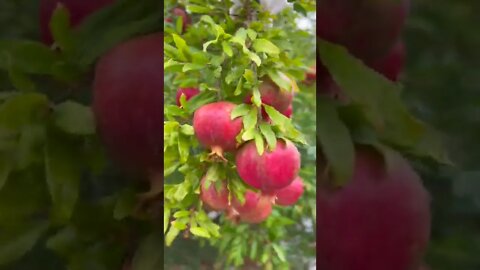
(259, 143)
(23, 109)
(63, 176)
(249, 134)
(171, 235)
(262, 45)
(201, 232)
(201, 99)
(240, 110)
(149, 255)
(5, 169)
(187, 129)
(27, 57)
(21, 81)
(335, 141)
(61, 29)
(14, 244)
(250, 120)
(269, 135)
(381, 103)
(251, 34)
(255, 58)
(181, 214)
(227, 49)
(166, 219)
(198, 9)
(125, 204)
(280, 253)
(63, 241)
(74, 118)
(249, 76)
(190, 67)
(257, 99)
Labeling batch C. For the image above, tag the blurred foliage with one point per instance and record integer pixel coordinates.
(442, 84)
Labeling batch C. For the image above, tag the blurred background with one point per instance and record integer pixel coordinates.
(442, 86)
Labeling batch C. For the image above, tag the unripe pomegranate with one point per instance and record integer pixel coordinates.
(271, 171)
(291, 194)
(188, 92)
(255, 209)
(368, 28)
(379, 220)
(128, 102)
(79, 10)
(392, 64)
(216, 199)
(214, 127)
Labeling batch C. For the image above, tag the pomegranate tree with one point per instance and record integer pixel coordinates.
(290, 194)
(271, 171)
(189, 92)
(368, 28)
(379, 220)
(128, 101)
(214, 127)
(213, 197)
(255, 209)
(78, 10)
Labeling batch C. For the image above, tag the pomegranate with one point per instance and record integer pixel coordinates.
(392, 64)
(79, 10)
(311, 75)
(128, 102)
(272, 95)
(216, 199)
(188, 92)
(180, 12)
(214, 128)
(288, 112)
(255, 209)
(271, 171)
(291, 194)
(379, 220)
(367, 28)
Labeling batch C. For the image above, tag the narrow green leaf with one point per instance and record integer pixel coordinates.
(227, 49)
(199, 231)
(269, 135)
(266, 46)
(171, 235)
(259, 143)
(335, 141)
(250, 120)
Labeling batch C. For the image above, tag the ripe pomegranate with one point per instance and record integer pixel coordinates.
(291, 194)
(128, 102)
(311, 76)
(214, 128)
(79, 10)
(288, 112)
(255, 209)
(216, 199)
(392, 64)
(271, 171)
(272, 95)
(188, 92)
(180, 12)
(368, 28)
(379, 220)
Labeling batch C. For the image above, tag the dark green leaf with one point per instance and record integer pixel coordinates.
(74, 118)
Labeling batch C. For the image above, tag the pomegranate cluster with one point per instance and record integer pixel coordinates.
(274, 174)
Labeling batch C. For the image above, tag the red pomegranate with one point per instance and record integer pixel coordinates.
(291, 194)
(368, 28)
(311, 75)
(213, 197)
(180, 12)
(379, 220)
(188, 92)
(272, 95)
(255, 209)
(79, 10)
(214, 127)
(392, 64)
(128, 102)
(271, 171)
(288, 113)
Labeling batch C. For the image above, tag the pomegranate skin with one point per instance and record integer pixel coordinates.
(212, 197)
(179, 12)
(271, 171)
(288, 113)
(79, 10)
(188, 92)
(392, 64)
(273, 96)
(379, 220)
(128, 102)
(255, 209)
(214, 128)
(367, 28)
(291, 194)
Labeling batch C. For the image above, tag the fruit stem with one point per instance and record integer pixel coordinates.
(217, 153)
